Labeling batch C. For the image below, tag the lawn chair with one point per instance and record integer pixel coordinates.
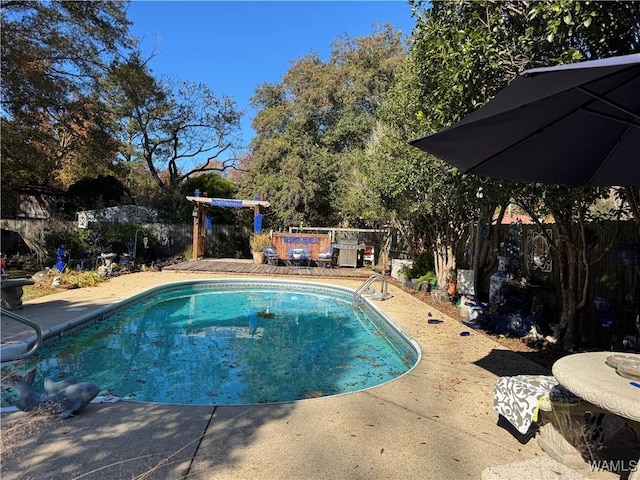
(297, 256)
(271, 255)
(325, 258)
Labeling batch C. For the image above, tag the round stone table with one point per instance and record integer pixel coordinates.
(588, 376)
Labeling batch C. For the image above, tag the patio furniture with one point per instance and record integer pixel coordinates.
(271, 255)
(11, 289)
(325, 258)
(608, 397)
(539, 404)
(369, 256)
(520, 398)
(297, 256)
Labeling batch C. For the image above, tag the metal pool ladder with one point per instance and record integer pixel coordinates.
(358, 295)
(26, 321)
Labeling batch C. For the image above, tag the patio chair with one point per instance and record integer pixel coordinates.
(325, 258)
(297, 256)
(271, 255)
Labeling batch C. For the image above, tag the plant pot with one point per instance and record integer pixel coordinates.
(258, 257)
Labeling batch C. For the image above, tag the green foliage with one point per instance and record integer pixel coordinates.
(430, 278)
(422, 265)
(463, 54)
(210, 185)
(312, 127)
(102, 238)
(221, 246)
(258, 241)
(77, 243)
(54, 130)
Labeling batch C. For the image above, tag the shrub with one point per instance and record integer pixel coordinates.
(429, 278)
(75, 279)
(422, 265)
(258, 241)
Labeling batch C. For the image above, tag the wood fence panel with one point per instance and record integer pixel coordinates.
(315, 242)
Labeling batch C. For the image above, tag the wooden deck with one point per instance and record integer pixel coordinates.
(211, 265)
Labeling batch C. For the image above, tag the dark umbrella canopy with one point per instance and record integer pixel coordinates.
(575, 124)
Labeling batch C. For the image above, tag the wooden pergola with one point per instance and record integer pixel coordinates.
(201, 206)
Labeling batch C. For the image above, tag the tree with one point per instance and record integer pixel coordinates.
(312, 127)
(174, 129)
(577, 30)
(570, 207)
(52, 52)
(210, 185)
(465, 52)
(99, 192)
(452, 69)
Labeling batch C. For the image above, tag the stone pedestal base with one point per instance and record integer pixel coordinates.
(11, 291)
(552, 442)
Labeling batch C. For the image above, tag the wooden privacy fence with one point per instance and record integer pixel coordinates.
(613, 254)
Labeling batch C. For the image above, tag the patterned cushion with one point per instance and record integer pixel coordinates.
(518, 398)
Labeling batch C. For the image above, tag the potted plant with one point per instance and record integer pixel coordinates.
(404, 276)
(257, 242)
(452, 290)
(427, 282)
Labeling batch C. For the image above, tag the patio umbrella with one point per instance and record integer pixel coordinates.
(574, 124)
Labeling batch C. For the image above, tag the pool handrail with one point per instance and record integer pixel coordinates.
(29, 323)
(362, 289)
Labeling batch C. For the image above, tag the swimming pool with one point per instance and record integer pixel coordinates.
(230, 342)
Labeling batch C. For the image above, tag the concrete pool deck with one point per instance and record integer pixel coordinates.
(436, 422)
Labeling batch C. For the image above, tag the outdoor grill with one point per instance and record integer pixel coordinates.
(350, 252)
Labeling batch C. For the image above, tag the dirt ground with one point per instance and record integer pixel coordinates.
(542, 353)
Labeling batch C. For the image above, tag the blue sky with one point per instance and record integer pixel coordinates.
(235, 46)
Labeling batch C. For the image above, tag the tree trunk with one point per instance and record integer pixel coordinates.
(485, 247)
(444, 263)
(574, 280)
(383, 257)
(476, 260)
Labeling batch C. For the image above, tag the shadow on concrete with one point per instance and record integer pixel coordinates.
(128, 440)
(504, 363)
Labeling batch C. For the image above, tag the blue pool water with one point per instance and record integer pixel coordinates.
(232, 342)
